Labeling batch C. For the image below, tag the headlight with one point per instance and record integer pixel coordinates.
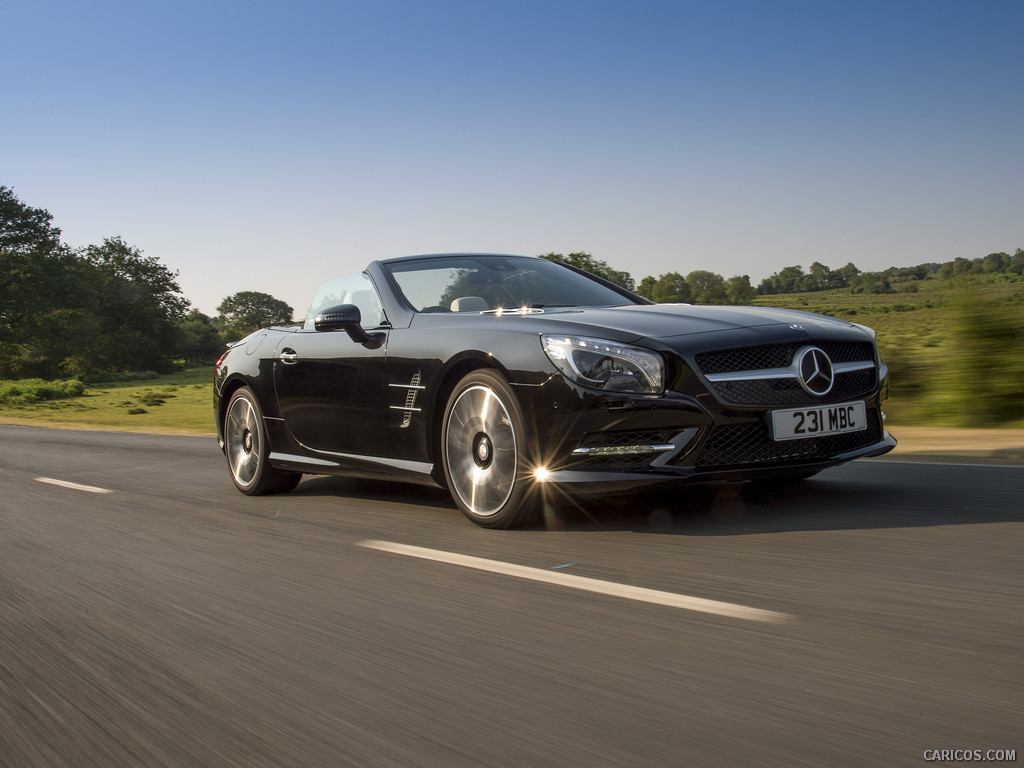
(606, 365)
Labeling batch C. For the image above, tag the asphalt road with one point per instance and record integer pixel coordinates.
(171, 621)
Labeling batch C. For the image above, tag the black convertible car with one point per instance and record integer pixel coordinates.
(505, 378)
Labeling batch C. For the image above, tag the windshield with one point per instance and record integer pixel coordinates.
(487, 283)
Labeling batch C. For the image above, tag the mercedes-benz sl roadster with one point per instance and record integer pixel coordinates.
(510, 379)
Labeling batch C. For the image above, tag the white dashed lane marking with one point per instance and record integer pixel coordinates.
(642, 594)
(72, 486)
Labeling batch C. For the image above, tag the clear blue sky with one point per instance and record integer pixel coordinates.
(270, 146)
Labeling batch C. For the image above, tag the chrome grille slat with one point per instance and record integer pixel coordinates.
(768, 375)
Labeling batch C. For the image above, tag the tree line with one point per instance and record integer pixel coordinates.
(101, 310)
(823, 278)
(703, 287)
(697, 287)
(98, 311)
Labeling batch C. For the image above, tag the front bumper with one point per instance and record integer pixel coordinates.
(595, 442)
(596, 481)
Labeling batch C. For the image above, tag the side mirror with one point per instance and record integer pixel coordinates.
(346, 317)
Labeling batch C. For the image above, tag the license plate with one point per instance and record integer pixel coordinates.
(796, 423)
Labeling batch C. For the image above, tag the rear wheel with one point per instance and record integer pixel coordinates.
(482, 451)
(248, 450)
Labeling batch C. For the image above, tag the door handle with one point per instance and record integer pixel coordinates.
(289, 356)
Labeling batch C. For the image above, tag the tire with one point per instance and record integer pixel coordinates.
(482, 452)
(247, 449)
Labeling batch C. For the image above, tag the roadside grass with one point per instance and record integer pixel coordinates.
(178, 402)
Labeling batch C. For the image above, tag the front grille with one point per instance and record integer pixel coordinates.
(778, 391)
(779, 356)
(848, 386)
(750, 443)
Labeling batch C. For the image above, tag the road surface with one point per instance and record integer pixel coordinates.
(150, 615)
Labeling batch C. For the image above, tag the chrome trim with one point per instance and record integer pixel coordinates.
(420, 467)
(858, 366)
(521, 311)
(820, 371)
(622, 450)
(413, 388)
(301, 459)
(792, 372)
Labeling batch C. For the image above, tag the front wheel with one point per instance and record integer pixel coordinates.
(248, 450)
(482, 451)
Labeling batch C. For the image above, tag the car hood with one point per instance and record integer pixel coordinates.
(666, 321)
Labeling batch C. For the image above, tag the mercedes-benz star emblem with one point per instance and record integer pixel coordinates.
(816, 374)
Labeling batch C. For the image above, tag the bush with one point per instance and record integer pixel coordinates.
(26, 391)
(153, 399)
(982, 381)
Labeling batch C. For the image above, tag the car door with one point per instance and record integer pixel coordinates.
(332, 391)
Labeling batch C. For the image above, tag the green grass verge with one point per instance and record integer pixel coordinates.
(178, 402)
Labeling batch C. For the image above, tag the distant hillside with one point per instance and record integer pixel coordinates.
(954, 346)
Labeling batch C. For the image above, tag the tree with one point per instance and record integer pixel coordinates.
(24, 229)
(871, 282)
(138, 280)
(738, 290)
(669, 288)
(38, 277)
(847, 274)
(920, 272)
(819, 278)
(69, 312)
(959, 266)
(594, 266)
(995, 263)
(199, 341)
(1016, 265)
(139, 303)
(707, 287)
(790, 279)
(248, 311)
(787, 280)
(646, 287)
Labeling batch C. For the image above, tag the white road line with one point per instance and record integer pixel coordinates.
(642, 594)
(72, 486)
